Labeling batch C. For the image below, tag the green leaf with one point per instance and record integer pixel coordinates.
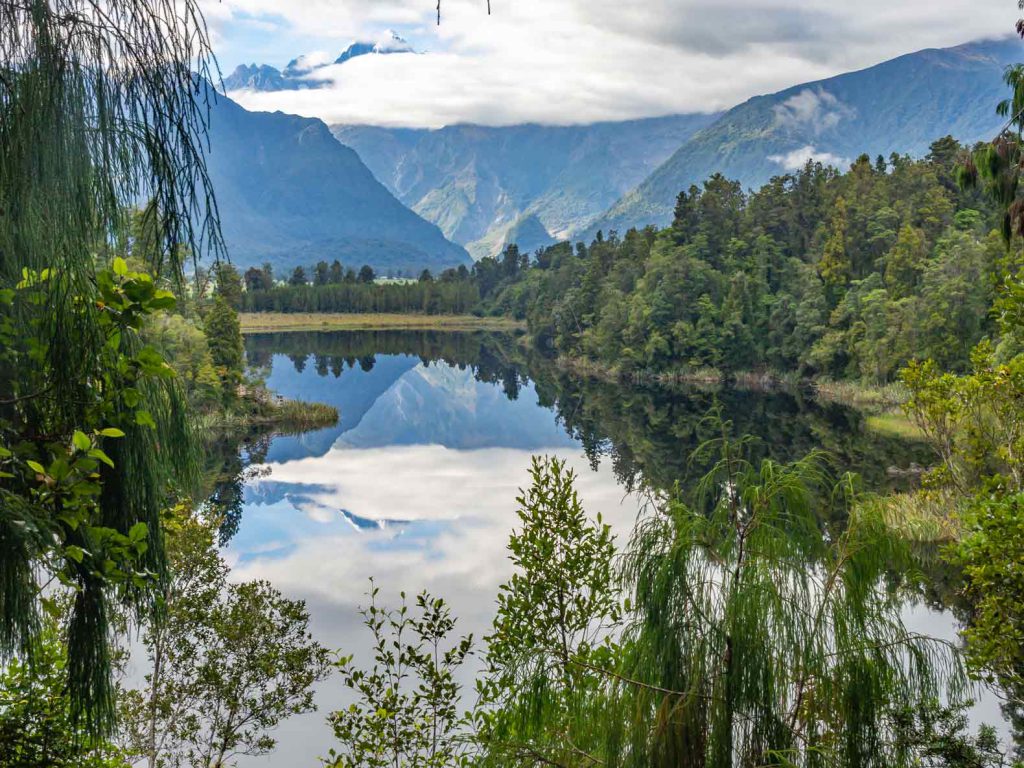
(120, 266)
(152, 362)
(81, 441)
(111, 432)
(144, 419)
(138, 532)
(36, 467)
(163, 300)
(75, 553)
(96, 453)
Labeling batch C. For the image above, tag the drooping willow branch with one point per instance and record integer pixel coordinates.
(104, 105)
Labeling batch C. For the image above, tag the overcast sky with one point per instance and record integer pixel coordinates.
(573, 61)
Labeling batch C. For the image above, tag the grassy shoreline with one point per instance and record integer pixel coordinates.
(881, 404)
(271, 411)
(275, 322)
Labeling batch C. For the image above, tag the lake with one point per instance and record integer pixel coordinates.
(416, 484)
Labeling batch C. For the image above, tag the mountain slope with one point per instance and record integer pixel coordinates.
(290, 194)
(901, 105)
(477, 182)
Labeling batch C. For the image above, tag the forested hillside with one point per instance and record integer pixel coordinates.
(847, 275)
(896, 106)
(819, 273)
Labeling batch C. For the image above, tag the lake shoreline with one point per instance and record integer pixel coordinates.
(882, 404)
(279, 322)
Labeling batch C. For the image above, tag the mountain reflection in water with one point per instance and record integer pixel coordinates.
(416, 484)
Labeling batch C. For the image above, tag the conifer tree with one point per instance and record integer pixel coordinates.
(834, 265)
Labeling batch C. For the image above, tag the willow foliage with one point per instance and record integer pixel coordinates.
(101, 105)
(763, 634)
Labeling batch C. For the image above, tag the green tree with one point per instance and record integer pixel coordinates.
(99, 107)
(834, 266)
(224, 338)
(298, 277)
(336, 274)
(184, 346)
(38, 728)
(321, 273)
(973, 422)
(996, 164)
(227, 662)
(408, 710)
(366, 274)
(990, 551)
(903, 264)
(762, 635)
(933, 736)
(227, 284)
(255, 280)
(550, 640)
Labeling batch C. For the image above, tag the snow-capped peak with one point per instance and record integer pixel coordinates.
(306, 63)
(388, 42)
(391, 42)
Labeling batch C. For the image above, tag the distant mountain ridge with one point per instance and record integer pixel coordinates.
(290, 194)
(296, 75)
(900, 105)
(480, 184)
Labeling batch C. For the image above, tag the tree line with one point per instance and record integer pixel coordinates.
(332, 288)
(845, 275)
(823, 273)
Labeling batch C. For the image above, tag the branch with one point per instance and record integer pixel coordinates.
(15, 400)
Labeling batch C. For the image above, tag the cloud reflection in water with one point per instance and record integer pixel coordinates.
(418, 492)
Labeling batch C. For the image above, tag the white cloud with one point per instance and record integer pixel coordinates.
(797, 158)
(306, 62)
(816, 109)
(569, 61)
(463, 507)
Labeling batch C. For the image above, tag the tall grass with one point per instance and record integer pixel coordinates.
(925, 516)
(865, 396)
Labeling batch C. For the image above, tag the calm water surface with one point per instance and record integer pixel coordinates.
(416, 485)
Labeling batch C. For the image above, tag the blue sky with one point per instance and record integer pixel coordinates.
(272, 39)
(573, 61)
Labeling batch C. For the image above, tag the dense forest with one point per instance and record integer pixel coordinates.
(334, 289)
(846, 275)
(819, 273)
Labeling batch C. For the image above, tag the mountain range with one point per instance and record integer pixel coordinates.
(292, 191)
(290, 194)
(541, 183)
(901, 105)
(298, 74)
